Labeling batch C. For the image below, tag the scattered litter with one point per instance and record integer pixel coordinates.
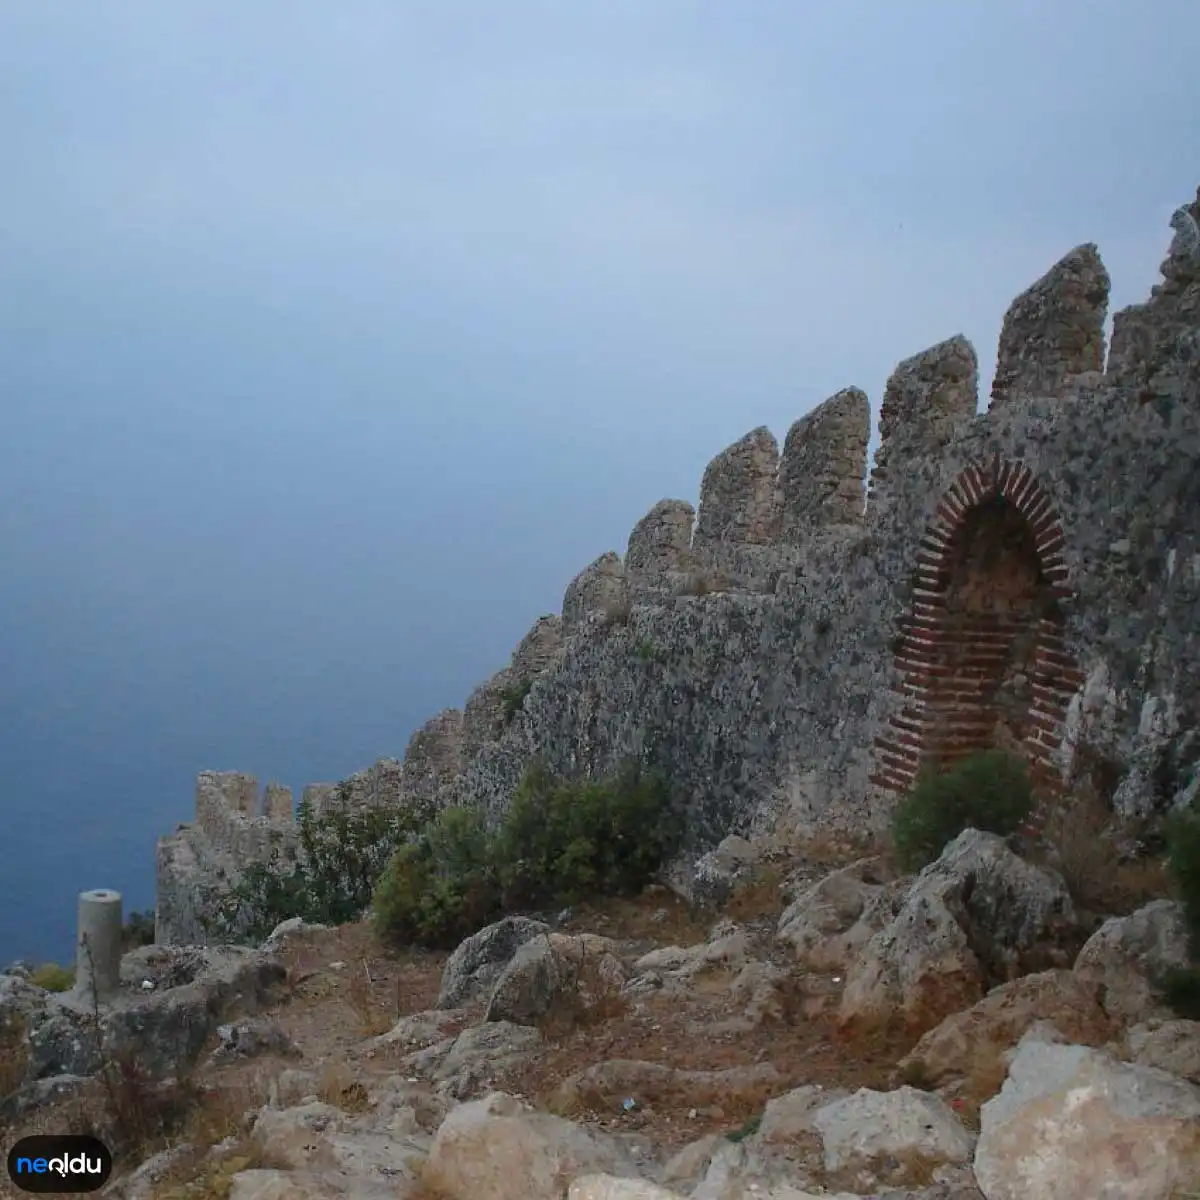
(337, 966)
(837, 979)
(147, 985)
(629, 1105)
(691, 1114)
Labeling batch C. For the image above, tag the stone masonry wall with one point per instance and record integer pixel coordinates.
(1054, 332)
(1028, 577)
(822, 465)
(928, 398)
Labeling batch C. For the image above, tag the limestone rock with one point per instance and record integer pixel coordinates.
(862, 1132)
(788, 1117)
(1126, 954)
(500, 1148)
(286, 932)
(978, 1037)
(829, 922)
(975, 916)
(419, 1030)
(715, 874)
(661, 541)
(262, 1184)
(251, 1038)
(1171, 1046)
(167, 1028)
(688, 1166)
(471, 971)
(1072, 1121)
(601, 587)
(612, 1187)
(546, 969)
(727, 952)
(461, 1064)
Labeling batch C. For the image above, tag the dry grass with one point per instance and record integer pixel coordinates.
(1079, 840)
(339, 1087)
(14, 1055)
(587, 998)
(761, 895)
(376, 1002)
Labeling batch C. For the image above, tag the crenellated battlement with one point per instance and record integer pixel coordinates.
(803, 642)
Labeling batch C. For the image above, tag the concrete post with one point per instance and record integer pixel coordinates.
(98, 944)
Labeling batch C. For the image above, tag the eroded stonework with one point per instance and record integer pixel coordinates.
(821, 468)
(1026, 577)
(928, 398)
(1054, 332)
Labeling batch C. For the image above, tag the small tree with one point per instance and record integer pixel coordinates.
(989, 791)
(560, 841)
(329, 875)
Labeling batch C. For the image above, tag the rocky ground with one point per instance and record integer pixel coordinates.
(832, 1030)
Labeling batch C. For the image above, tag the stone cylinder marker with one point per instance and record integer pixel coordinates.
(98, 944)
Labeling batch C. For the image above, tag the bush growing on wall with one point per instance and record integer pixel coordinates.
(991, 791)
(559, 842)
(329, 880)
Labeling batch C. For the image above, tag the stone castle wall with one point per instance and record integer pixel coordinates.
(801, 646)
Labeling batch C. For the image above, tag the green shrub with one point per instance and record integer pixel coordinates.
(1183, 861)
(442, 887)
(1180, 988)
(558, 843)
(561, 841)
(989, 791)
(328, 879)
(513, 698)
(138, 930)
(53, 978)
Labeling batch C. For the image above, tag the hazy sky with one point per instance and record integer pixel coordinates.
(335, 338)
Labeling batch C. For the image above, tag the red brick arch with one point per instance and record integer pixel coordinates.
(951, 664)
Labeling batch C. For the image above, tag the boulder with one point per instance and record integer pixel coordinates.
(977, 1038)
(251, 1038)
(1127, 954)
(476, 963)
(977, 916)
(473, 1059)
(1171, 1046)
(500, 1148)
(553, 969)
(167, 1027)
(884, 1136)
(728, 950)
(1073, 1121)
(612, 1187)
(289, 932)
(714, 875)
(831, 920)
(789, 1117)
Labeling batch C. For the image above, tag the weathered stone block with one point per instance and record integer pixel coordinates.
(823, 464)
(739, 501)
(1054, 331)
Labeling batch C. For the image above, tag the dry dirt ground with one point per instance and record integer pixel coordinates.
(343, 988)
